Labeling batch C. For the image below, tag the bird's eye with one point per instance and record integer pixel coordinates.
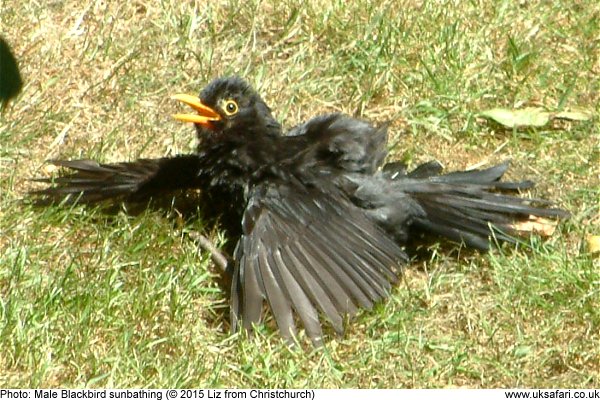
(230, 107)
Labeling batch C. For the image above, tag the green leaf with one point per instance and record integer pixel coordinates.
(531, 116)
(579, 115)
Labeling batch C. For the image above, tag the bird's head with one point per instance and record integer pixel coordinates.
(228, 105)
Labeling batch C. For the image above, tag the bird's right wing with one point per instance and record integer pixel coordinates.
(306, 251)
(138, 180)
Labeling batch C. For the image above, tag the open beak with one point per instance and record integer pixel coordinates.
(206, 115)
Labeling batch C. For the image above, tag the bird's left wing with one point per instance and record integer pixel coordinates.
(309, 251)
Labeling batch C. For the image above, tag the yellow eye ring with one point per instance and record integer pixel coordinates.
(230, 107)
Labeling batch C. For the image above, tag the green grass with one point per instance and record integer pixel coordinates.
(90, 299)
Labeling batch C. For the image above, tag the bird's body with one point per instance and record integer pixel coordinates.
(320, 218)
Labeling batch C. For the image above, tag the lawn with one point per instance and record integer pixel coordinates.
(92, 299)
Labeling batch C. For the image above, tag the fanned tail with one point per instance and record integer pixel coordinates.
(464, 206)
(471, 206)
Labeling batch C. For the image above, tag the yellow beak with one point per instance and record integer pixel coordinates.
(206, 115)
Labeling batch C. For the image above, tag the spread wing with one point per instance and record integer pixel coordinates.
(305, 251)
(90, 181)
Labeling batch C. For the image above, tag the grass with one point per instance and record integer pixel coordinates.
(89, 299)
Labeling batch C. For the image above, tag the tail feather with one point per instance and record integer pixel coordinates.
(469, 225)
(426, 170)
(490, 202)
(398, 170)
(481, 176)
(474, 240)
(432, 171)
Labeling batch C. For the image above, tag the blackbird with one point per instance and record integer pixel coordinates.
(319, 218)
(10, 78)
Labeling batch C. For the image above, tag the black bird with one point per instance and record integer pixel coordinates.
(10, 78)
(320, 218)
